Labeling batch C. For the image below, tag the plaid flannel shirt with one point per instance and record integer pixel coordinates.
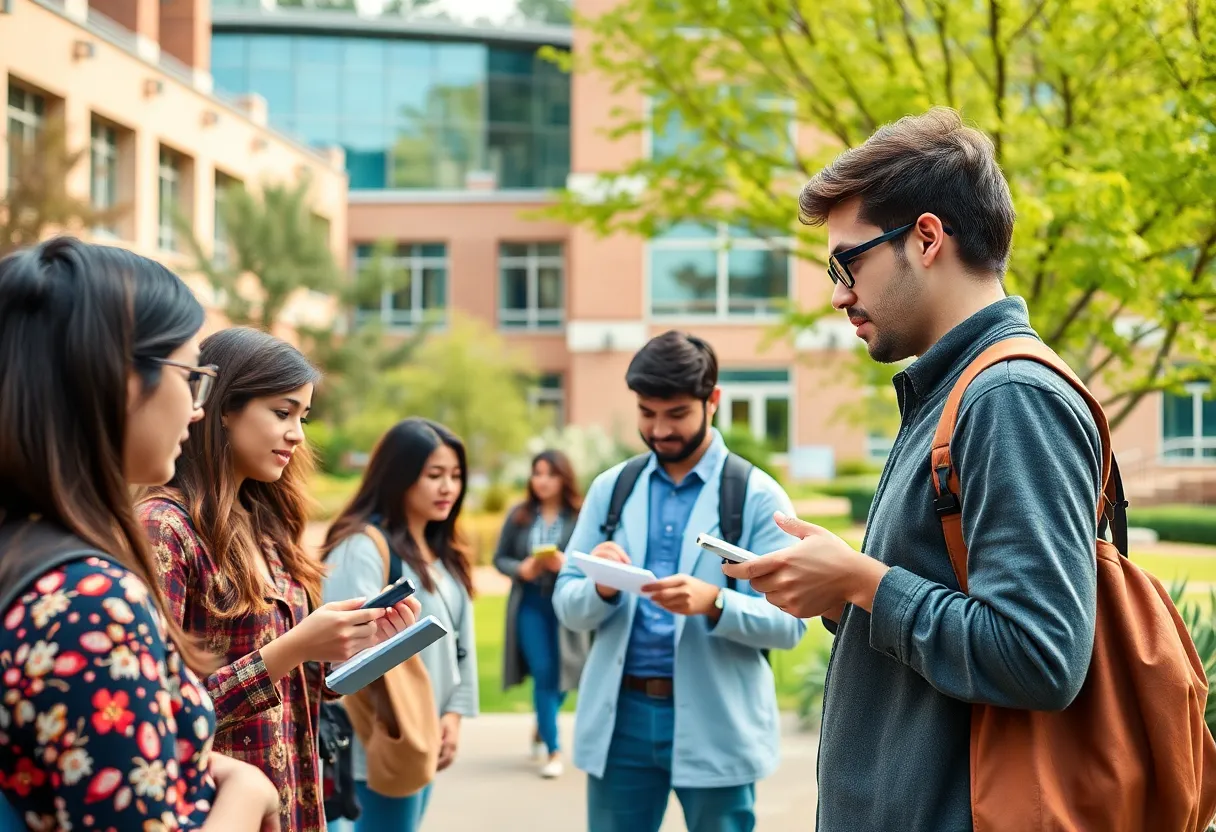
(272, 726)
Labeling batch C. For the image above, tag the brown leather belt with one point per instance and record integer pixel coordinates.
(655, 688)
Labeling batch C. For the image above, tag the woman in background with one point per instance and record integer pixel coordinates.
(103, 722)
(412, 492)
(531, 551)
(227, 535)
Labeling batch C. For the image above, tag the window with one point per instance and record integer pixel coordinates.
(409, 113)
(531, 278)
(170, 203)
(757, 401)
(26, 119)
(770, 127)
(1188, 425)
(717, 272)
(419, 293)
(103, 187)
(547, 400)
(221, 244)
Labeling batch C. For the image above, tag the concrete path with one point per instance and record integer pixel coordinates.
(494, 785)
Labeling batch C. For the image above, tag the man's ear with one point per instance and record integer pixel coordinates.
(930, 237)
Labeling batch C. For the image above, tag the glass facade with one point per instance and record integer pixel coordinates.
(421, 295)
(409, 113)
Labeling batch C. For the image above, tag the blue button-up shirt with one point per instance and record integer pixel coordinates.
(651, 650)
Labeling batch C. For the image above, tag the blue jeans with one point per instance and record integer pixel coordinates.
(537, 630)
(633, 793)
(390, 814)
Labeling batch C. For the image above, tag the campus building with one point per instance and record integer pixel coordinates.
(129, 83)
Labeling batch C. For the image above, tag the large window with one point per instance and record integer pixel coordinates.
(758, 402)
(103, 186)
(410, 114)
(531, 278)
(1188, 425)
(26, 119)
(419, 294)
(170, 204)
(717, 272)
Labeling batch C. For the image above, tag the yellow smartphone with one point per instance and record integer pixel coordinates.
(544, 551)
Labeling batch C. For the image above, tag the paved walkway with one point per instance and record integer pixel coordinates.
(494, 785)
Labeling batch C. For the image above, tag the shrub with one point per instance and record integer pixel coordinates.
(810, 695)
(756, 451)
(858, 491)
(850, 468)
(1181, 524)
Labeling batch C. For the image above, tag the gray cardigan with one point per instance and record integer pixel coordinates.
(513, 549)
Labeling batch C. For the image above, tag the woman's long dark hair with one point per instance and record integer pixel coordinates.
(253, 365)
(572, 500)
(395, 465)
(75, 321)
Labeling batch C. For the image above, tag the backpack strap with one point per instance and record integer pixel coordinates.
(621, 489)
(1111, 506)
(732, 494)
(381, 542)
(18, 584)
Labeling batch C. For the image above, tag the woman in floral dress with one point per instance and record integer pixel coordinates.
(227, 539)
(103, 724)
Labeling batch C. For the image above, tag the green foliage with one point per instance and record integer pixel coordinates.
(272, 236)
(590, 449)
(1181, 524)
(859, 492)
(1103, 115)
(756, 451)
(814, 678)
(1200, 620)
(851, 468)
(555, 12)
(465, 378)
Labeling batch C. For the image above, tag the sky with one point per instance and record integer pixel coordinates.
(496, 10)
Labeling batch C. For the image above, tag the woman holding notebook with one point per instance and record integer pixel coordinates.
(226, 533)
(403, 518)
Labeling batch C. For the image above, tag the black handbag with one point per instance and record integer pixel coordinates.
(335, 736)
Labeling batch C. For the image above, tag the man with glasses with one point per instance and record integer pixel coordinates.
(919, 222)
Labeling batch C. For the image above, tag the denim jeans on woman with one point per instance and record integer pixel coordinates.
(538, 634)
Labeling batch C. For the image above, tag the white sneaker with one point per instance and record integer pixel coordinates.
(552, 769)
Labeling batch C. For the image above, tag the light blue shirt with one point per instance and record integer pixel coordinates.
(652, 643)
(726, 726)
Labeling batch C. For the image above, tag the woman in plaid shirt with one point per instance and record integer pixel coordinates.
(226, 534)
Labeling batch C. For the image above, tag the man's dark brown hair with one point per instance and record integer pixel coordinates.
(929, 163)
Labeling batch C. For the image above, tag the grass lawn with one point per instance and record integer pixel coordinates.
(490, 612)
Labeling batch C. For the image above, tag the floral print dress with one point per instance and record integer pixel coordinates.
(101, 724)
(269, 724)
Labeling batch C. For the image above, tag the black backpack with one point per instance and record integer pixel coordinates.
(334, 737)
(732, 494)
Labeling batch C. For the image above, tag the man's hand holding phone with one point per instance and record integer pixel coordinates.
(608, 550)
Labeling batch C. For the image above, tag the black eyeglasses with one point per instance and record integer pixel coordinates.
(838, 264)
(200, 379)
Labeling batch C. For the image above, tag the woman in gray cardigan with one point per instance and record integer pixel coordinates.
(531, 551)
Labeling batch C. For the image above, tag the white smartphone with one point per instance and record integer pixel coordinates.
(724, 550)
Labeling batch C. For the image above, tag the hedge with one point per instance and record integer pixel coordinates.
(859, 492)
(1177, 523)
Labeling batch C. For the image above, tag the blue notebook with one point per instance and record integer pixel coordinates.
(365, 667)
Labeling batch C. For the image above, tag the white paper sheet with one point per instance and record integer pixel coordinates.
(625, 577)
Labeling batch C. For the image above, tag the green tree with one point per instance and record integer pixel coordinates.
(1103, 114)
(272, 237)
(556, 12)
(37, 199)
(468, 379)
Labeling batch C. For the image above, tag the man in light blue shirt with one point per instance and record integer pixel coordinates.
(679, 678)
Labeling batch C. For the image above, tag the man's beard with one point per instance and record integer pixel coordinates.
(688, 448)
(889, 343)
